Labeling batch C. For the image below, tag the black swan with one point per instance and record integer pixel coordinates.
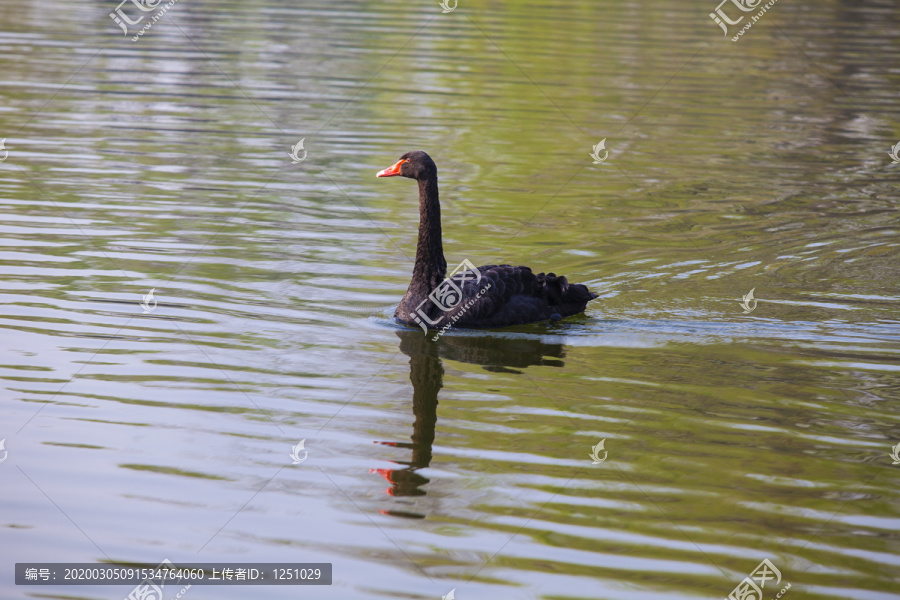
(472, 297)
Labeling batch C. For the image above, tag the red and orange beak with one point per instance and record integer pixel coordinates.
(393, 170)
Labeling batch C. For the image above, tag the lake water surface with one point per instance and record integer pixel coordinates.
(730, 436)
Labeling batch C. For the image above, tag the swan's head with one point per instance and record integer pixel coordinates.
(415, 165)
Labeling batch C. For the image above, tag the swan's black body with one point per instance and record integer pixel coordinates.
(504, 295)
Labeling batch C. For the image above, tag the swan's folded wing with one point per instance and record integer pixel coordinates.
(504, 292)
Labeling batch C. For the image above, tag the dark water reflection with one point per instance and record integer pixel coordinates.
(732, 436)
(426, 373)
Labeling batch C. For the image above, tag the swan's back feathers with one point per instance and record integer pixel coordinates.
(508, 295)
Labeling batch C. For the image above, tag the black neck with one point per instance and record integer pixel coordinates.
(431, 268)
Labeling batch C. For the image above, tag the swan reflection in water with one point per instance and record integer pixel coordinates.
(426, 372)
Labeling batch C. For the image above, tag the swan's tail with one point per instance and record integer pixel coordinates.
(571, 298)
